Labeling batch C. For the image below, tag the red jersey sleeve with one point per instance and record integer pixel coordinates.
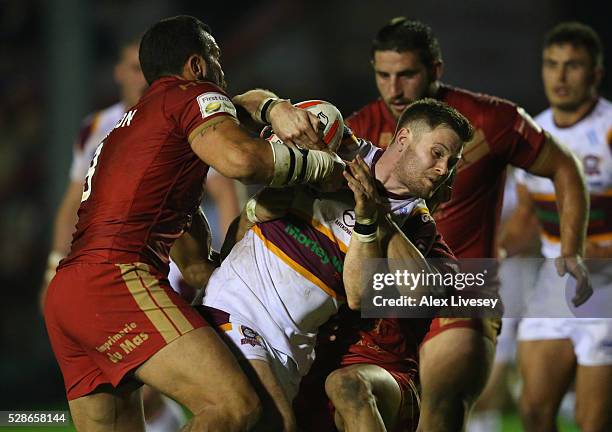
(196, 105)
(514, 136)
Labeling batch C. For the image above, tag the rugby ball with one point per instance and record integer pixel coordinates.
(329, 116)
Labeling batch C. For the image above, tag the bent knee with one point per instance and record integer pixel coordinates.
(348, 385)
(241, 412)
(537, 414)
(247, 409)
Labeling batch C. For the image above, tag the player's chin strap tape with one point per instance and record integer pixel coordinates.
(296, 166)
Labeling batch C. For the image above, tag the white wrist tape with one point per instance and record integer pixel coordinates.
(367, 220)
(365, 238)
(250, 210)
(298, 166)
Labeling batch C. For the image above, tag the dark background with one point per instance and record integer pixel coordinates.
(56, 66)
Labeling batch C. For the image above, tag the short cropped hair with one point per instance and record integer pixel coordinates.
(435, 113)
(578, 35)
(166, 46)
(401, 34)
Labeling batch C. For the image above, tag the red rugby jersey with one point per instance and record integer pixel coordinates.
(504, 134)
(145, 182)
(391, 341)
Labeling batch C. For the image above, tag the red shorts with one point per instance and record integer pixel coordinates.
(105, 320)
(489, 327)
(404, 372)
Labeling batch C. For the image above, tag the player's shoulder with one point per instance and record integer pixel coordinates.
(173, 90)
(97, 120)
(184, 88)
(603, 108)
(544, 118)
(209, 98)
(472, 104)
(367, 112)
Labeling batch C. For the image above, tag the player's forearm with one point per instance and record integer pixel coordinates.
(359, 266)
(253, 102)
(573, 204)
(401, 253)
(191, 252)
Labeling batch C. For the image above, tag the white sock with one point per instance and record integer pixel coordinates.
(484, 421)
(170, 418)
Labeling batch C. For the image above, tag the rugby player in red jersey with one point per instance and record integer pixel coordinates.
(456, 355)
(112, 318)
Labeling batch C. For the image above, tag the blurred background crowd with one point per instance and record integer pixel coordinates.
(56, 66)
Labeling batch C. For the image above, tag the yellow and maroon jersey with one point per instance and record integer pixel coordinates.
(144, 182)
(504, 134)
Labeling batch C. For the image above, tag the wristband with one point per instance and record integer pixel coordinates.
(261, 114)
(250, 210)
(365, 229)
(258, 114)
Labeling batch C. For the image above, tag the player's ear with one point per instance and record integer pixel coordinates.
(195, 68)
(402, 138)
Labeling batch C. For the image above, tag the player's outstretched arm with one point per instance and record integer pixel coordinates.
(228, 148)
(561, 166)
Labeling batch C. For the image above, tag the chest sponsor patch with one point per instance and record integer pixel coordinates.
(212, 103)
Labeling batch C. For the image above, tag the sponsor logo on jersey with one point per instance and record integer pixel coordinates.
(212, 103)
(348, 217)
(313, 246)
(250, 336)
(591, 164)
(212, 107)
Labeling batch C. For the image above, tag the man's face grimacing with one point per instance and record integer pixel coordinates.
(569, 75)
(401, 78)
(427, 157)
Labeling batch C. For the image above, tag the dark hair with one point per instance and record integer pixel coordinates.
(579, 35)
(166, 46)
(435, 113)
(401, 34)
